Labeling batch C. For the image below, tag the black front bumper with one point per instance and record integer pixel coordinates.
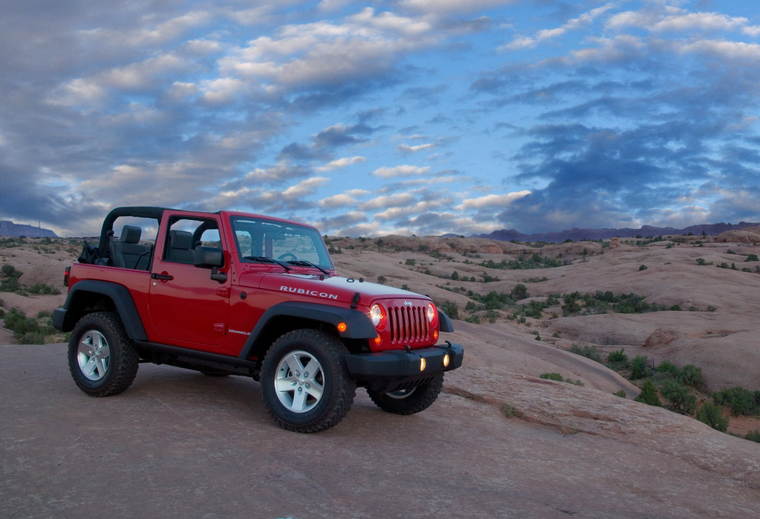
(389, 370)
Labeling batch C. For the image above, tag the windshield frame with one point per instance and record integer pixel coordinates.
(262, 229)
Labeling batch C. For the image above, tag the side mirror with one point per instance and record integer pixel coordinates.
(210, 257)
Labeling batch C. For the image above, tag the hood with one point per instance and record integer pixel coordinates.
(335, 288)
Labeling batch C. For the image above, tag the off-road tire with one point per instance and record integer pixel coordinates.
(123, 359)
(338, 389)
(416, 401)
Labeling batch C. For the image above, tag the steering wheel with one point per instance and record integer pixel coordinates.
(286, 255)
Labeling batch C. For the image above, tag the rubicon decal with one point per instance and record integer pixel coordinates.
(313, 293)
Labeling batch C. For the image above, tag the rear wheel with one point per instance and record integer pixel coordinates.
(305, 384)
(409, 401)
(102, 360)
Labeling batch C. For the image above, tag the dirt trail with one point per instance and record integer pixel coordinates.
(179, 444)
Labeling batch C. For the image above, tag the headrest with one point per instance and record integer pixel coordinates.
(130, 234)
(182, 240)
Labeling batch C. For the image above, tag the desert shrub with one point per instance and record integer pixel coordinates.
(648, 395)
(692, 376)
(455, 276)
(753, 436)
(590, 352)
(729, 251)
(535, 309)
(711, 308)
(712, 415)
(520, 291)
(381, 279)
(2, 303)
(617, 357)
(642, 267)
(411, 262)
(752, 257)
(471, 306)
(449, 308)
(570, 305)
(492, 316)
(43, 289)
(2, 313)
(620, 393)
(639, 367)
(552, 376)
(669, 367)
(538, 337)
(474, 319)
(9, 279)
(675, 308)
(740, 400)
(404, 287)
(679, 398)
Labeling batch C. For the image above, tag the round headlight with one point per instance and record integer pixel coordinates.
(376, 313)
(430, 312)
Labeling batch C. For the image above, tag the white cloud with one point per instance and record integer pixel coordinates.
(405, 148)
(547, 34)
(386, 201)
(491, 200)
(437, 7)
(728, 49)
(333, 202)
(341, 163)
(699, 21)
(305, 187)
(400, 171)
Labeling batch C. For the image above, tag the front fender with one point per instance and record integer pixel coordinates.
(358, 324)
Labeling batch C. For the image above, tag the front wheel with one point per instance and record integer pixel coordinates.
(409, 401)
(305, 383)
(102, 360)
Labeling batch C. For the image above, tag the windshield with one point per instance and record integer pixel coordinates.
(293, 244)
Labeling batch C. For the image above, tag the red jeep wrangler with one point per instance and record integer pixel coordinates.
(231, 293)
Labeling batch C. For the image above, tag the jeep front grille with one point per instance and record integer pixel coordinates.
(408, 324)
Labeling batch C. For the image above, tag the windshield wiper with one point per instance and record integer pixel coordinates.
(306, 263)
(264, 259)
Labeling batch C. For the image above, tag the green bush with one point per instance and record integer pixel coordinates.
(411, 262)
(752, 257)
(620, 393)
(692, 376)
(519, 292)
(450, 309)
(639, 367)
(753, 436)
(642, 267)
(381, 279)
(590, 352)
(740, 400)
(712, 415)
(681, 401)
(552, 376)
(455, 275)
(649, 395)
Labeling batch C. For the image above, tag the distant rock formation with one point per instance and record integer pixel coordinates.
(746, 235)
(14, 230)
(604, 234)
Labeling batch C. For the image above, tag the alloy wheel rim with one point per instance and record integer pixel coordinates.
(93, 355)
(299, 381)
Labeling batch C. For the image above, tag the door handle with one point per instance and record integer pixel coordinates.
(162, 277)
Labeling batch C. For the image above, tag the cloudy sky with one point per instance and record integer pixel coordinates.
(378, 117)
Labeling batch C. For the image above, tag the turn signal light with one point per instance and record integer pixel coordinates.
(342, 327)
(435, 334)
(446, 361)
(378, 340)
(422, 364)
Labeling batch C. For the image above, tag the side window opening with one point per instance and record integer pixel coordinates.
(185, 234)
(132, 243)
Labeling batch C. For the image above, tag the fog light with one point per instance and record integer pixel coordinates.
(378, 340)
(342, 327)
(446, 361)
(422, 364)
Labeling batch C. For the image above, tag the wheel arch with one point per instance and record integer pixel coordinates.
(92, 296)
(288, 316)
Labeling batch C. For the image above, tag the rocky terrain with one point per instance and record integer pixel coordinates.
(706, 293)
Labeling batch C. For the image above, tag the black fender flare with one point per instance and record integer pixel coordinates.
(358, 324)
(444, 322)
(65, 321)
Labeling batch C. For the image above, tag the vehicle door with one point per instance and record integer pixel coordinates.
(187, 307)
